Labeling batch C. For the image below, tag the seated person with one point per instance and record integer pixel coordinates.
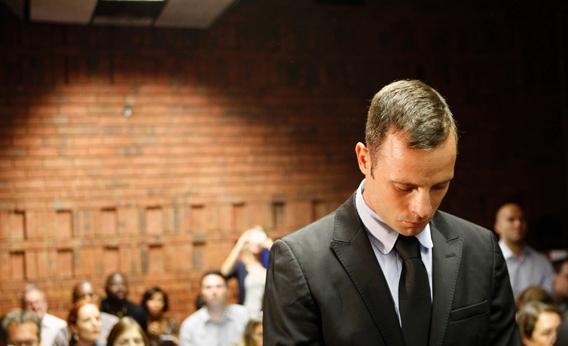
(116, 301)
(533, 293)
(21, 327)
(84, 290)
(216, 323)
(526, 266)
(127, 332)
(32, 298)
(85, 323)
(253, 334)
(160, 327)
(538, 323)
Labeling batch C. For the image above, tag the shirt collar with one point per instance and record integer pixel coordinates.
(507, 253)
(208, 319)
(385, 235)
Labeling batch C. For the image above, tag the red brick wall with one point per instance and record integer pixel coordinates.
(253, 121)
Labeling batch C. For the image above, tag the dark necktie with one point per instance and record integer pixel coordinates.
(414, 301)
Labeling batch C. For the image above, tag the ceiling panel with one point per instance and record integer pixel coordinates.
(62, 11)
(192, 13)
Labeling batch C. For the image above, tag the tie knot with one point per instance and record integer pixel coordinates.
(407, 247)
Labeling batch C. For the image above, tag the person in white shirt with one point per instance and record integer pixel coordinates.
(32, 298)
(216, 323)
(526, 266)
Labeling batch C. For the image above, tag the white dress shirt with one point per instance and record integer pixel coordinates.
(383, 239)
(50, 327)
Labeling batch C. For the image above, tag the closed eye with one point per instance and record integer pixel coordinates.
(439, 187)
(404, 187)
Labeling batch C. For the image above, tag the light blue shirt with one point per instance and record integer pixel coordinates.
(383, 239)
(199, 329)
(529, 269)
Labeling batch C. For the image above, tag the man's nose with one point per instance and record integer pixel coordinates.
(421, 204)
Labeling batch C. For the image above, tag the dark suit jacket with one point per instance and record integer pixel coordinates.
(128, 309)
(325, 286)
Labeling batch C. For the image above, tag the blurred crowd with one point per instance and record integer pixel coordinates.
(117, 321)
(539, 283)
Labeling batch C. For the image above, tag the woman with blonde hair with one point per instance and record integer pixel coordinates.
(247, 262)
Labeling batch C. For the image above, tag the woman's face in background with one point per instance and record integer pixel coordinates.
(545, 330)
(130, 337)
(257, 335)
(88, 322)
(155, 304)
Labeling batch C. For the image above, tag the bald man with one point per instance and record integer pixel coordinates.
(117, 303)
(526, 266)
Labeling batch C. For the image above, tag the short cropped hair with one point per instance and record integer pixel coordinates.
(413, 107)
(20, 316)
(528, 316)
(29, 287)
(213, 272)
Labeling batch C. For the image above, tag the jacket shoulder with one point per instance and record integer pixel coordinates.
(313, 235)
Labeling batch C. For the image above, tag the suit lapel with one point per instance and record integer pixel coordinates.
(447, 253)
(353, 249)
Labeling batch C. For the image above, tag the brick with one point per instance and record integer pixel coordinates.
(12, 225)
(17, 266)
(107, 226)
(128, 220)
(63, 224)
(65, 263)
(5, 271)
(86, 261)
(52, 262)
(156, 260)
(279, 216)
(31, 268)
(154, 221)
(240, 219)
(110, 260)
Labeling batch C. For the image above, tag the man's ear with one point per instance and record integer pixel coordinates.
(496, 227)
(363, 158)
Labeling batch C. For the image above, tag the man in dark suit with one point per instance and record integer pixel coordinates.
(116, 302)
(388, 268)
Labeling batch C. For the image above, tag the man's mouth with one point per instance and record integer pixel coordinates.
(412, 224)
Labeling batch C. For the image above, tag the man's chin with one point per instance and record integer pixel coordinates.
(411, 229)
(410, 232)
